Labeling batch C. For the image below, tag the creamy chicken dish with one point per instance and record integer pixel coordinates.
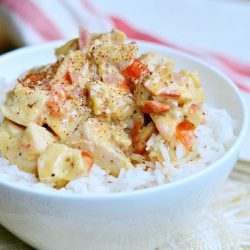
(99, 103)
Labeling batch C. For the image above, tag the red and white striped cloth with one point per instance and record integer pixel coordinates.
(216, 31)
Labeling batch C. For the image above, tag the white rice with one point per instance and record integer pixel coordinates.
(213, 139)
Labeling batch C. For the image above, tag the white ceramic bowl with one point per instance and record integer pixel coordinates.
(135, 220)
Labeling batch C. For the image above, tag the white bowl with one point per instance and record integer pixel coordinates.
(133, 220)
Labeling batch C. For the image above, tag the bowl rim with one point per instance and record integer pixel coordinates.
(150, 190)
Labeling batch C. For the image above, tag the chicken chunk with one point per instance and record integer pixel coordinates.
(23, 147)
(24, 105)
(114, 101)
(13, 129)
(60, 164)
(63, 126)
(10, 142)
(117, 36)
(65, 110)
(34, 141)
(193, 84)
(8, 131)
(120, 137)
(154, 60)
(4, 135)
(119, 55)
(141, 95)
(96, 137)
(166, 123)
(88, 41)
(65, 49)
(14, 155)
(76, 68)
(160, 81)
(110, 74)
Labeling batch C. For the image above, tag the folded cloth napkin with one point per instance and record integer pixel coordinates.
(207, 29)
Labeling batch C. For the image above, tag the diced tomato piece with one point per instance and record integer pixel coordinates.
(193, 108)
(185, 133)
(91, 159)
(32, 79)
(136, 70)
(154, 107)
(87, 154)
(170, 93)
(68, 77)
(136, 128)
(138, 146)
(124, 85)
(186, 125)
(141, 135)
(35, 77)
